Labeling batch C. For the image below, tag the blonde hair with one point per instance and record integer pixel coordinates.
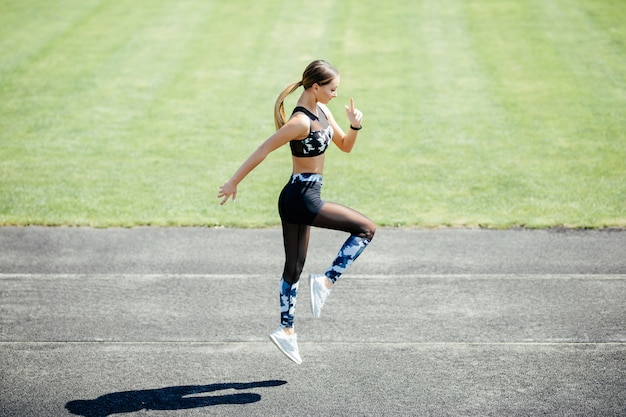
(317, 72)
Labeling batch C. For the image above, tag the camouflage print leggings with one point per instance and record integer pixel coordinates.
(301, 207)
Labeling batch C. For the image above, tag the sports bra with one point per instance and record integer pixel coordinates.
(318, 140)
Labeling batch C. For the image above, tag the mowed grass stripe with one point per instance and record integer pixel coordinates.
(477, 112)
(88, 110)
(557, 109)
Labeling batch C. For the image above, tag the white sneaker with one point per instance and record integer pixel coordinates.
(319, 293)
(287, 344)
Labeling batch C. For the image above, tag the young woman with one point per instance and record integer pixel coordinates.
(309, 131)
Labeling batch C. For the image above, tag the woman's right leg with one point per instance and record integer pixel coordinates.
(296, 243)
(296, 240)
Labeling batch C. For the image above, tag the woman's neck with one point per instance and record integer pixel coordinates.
(308, 101)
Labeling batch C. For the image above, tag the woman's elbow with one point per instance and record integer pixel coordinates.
(347, 148)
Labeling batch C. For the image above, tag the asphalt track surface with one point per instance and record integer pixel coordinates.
(449, 322)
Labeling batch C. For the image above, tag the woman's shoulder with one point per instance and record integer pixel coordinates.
(299, 118)
(297, 126)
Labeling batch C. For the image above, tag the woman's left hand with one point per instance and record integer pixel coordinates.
(226, 191)
(354, 115)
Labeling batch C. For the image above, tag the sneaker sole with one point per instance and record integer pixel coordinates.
(280, 347)
(312, 297)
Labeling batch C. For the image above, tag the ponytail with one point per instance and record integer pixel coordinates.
(317, 72)
(279, 107)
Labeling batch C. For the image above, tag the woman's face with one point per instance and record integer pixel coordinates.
(327, 92)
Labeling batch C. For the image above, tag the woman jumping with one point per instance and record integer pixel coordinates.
(309, 131)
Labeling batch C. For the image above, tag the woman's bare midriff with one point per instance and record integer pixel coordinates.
(312, 165)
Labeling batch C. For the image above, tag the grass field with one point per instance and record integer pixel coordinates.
(477, 112)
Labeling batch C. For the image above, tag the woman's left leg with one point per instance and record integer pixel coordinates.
(337, 217)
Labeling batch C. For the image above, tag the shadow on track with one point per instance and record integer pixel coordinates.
(169, 398)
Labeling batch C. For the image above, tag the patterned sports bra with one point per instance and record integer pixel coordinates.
(318, 140)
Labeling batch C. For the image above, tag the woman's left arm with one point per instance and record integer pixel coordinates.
(346, 141)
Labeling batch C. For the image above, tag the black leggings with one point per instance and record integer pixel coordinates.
(301, 207)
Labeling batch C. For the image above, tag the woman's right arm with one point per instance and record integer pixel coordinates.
(297, 127)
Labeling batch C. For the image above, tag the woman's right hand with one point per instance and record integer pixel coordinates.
(354, 115)
(226, 191)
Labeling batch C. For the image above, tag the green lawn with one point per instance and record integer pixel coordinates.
(493, 113)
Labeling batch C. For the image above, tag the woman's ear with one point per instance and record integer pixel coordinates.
(316, 89)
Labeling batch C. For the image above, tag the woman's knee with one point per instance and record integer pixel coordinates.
(293, 270)
(368, 229)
